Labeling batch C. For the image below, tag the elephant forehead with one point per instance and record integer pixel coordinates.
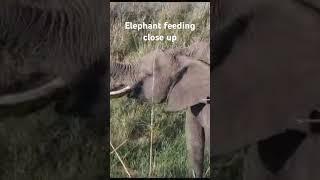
(156, 61)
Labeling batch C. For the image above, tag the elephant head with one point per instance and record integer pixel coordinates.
(179, 76)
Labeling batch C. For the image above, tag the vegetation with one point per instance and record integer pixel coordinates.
(130, 121)
(46, 146)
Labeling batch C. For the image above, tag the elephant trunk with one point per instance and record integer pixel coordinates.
(123, 76)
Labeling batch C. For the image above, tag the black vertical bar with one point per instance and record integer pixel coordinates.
(108, 88)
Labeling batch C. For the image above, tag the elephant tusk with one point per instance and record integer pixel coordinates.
(121, 91)
(301, 121)
(205, 100)
(29, 95)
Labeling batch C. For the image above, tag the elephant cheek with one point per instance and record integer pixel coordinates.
(155, 96)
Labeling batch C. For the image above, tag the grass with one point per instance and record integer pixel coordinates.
(130, 121)
(47, 146)
(170, 159)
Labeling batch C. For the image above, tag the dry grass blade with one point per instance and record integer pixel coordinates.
(151, 124)
(124, 166)
(118, 146)
(151, 141)
(205, 174)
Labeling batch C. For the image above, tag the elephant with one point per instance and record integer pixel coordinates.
(265, 74)
(178, 77)
(47, 45)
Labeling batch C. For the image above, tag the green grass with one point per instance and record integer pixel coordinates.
(130, 120)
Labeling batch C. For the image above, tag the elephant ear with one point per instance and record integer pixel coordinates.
(191, 85)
